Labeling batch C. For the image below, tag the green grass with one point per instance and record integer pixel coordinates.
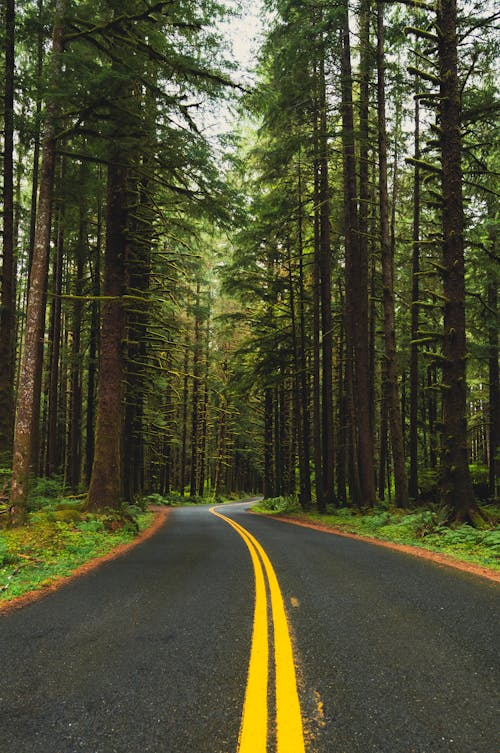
(423, 528)
(57, 541)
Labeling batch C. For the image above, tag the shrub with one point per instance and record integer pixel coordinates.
(280, 504)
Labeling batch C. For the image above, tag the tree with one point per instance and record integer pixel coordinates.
(8, 283)
(25, 429)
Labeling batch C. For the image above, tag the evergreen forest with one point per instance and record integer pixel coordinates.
(281, 283)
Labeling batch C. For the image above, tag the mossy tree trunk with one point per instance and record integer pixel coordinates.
(106, 483)
(27, 392)
(8, 295)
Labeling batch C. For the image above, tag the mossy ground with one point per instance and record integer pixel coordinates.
(421, 527)
(57, 541)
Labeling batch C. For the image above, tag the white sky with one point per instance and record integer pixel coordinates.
(243, 38)
(243, 33)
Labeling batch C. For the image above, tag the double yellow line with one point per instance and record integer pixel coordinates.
(254, 723)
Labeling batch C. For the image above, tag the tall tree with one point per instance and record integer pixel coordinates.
(25, 429)
(391, 366)
(8, 295)
(456, 483)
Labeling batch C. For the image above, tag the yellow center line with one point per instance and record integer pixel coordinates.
(253, 730)
(290, 734)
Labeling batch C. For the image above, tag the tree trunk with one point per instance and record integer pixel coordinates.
(53, 457)
(268, 443)
(27, 394)
(316, 284)
(93, 346)
(356, 269)
(183, 458)
(455, 483)
(8, 296)
(204, 413)
(76, 393)
(304, 430)
(106, 487)
(195, 410)
(394, 406)
(494, 391)
(327, 496)
(415, 293)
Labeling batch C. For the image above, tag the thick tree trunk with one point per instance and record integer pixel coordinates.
(106, 488)
(394, 406)
(455, 484)
(8, 296)
(356, 292)
(27, 393)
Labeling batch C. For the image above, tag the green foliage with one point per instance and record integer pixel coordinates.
(279, 504)
(43, 491)
(424, 527)
(55, 542)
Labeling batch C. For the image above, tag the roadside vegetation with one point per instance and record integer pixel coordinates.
(424, 527)
(175, 499)
(58, 537)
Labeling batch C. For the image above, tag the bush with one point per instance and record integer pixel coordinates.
(280, 504)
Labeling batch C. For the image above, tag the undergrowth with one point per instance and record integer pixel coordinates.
(59, 537)
(426, 528)
(175, 499)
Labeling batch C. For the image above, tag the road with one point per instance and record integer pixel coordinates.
(182, 642)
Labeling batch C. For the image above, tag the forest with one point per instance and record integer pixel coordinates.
(301, 304)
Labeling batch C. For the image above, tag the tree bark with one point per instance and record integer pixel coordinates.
(8, 295)
(415, 314)
(268, 443)
(304, 430)
(494, 391)
(455, 482)
(394, 406)
(327, 496)
(356, 269)
(53, 458)
(93, 346)
(76, 363)
(195, 409)
(27, 394)
(106, 488)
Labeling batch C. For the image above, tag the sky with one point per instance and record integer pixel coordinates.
(243, 34)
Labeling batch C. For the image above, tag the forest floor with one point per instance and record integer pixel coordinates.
(418, 531)
(58, 544)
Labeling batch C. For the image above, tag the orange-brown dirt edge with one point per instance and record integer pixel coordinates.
(160, 517)
(415, 551)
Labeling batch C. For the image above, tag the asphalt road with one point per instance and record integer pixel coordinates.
(150, 652)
